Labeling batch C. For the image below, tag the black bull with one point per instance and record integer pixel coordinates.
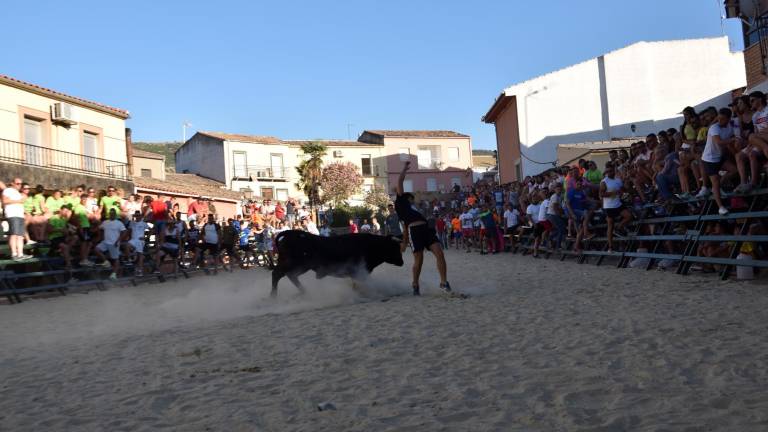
(341, 256)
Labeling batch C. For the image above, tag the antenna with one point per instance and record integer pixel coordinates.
(349, 131)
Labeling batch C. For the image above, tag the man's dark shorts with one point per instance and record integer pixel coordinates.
(422, 237)
(16, 226)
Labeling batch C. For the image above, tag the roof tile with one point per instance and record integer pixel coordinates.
(53, 93)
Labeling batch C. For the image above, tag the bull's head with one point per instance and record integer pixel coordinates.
(392, 254)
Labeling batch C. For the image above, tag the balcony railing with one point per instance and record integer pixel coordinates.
(759, 34)
(44, 157)
(261, 172)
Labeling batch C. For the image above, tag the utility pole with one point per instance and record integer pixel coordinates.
(349, 131)
(184, 127)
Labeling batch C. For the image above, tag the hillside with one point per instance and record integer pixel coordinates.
(164, 148)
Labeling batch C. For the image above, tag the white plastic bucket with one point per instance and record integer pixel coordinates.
(744, 272)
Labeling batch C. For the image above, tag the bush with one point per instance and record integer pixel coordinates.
(343, 213)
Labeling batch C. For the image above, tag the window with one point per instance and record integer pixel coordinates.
(408, 186)
(365, 162)
(267, 193)
(455, 181)
(276, 161)
(453, 154)
(429, 157)
(367, 188)
(146, 172)
(282, 194)
(240, 164)
(405, 154)
(90, 150)
(33, 135)
(431, 185)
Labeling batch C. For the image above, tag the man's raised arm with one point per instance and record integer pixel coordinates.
(402, 178)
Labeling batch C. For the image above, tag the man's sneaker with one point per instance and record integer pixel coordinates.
(31, 242)
(87, 263)
(445, 287)
(16, 258)
(112, 276)
(106, 264)
(139, 273)
(723, 211)
(703, 193)
(26, 257)
(685, 196)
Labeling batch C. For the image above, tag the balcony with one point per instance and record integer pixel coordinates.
(261, 172)
(44, 157)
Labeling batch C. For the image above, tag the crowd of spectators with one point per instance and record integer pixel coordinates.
(714, 153)
(84, 226)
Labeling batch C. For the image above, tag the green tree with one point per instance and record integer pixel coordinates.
(311, 171)
(340, 181)
(377, 198)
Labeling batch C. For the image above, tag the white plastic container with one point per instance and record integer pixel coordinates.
(744, 272)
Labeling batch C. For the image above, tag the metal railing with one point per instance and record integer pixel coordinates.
(44, 157)
(261, 172)
(759, 34)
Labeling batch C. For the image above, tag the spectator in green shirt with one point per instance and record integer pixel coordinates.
(593, 175)
(54, 202)
(59, 234)
(84, 233)
(34, 213)
(73, 198)
(110, 201)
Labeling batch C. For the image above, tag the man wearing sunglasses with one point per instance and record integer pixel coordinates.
(13, 204)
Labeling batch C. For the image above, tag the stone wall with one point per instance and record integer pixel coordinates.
(52, 179)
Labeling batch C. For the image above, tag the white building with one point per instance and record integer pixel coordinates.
(265, 166)
(633, 91)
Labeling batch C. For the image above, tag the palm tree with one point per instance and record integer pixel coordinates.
(311, 170)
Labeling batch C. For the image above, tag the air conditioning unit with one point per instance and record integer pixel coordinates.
(262, 174)
(338, 154)
(63, 113)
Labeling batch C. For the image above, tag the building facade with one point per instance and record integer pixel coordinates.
(265, 166)
(630, 92)
(58, 140)
(753, 15)
(148, 164)
(439, 159)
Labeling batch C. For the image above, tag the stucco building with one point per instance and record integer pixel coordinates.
(633, 91)
(148, 164)
(439, 159)
(59, 140)
(265, 166)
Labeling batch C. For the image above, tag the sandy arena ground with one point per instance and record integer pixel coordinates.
(541, 346)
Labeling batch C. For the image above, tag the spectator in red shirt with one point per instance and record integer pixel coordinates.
(353, 227)
(279, 211)
(440, 228)
(159, 213)
(196, 210)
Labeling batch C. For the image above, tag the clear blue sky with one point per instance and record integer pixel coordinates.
(305, 69)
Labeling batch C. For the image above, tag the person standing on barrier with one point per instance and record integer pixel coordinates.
(13, 204)
(610, 192)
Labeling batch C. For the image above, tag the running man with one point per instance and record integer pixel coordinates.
(421, 236)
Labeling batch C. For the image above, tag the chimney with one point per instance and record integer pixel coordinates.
(129, 150)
